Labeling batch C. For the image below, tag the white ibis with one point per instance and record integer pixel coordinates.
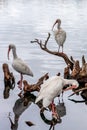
(53, 87)
(60, 34)
(19, 65)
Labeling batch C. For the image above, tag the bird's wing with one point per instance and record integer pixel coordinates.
(46, 102)
(50, 88)
(50, 92)
(60, 37)
(54, 88)
(64, 36)
(43, 91)
(47, 82)
(21, 67)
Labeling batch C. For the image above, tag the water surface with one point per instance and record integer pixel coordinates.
(24, 20)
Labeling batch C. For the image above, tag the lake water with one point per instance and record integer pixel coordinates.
(21, 21)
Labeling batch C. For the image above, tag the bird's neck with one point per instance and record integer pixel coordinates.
(59, 26)
(69, 81)
(14, 53)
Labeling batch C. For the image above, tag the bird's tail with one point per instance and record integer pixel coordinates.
(38, 99)
(31, 73)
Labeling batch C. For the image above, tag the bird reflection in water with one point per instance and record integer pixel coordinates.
(20, 106)
(9, 80)
(25, 101)
(61, 110)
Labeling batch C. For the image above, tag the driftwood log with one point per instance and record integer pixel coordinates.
(77, 72)
(35, 87)
(27, 88)
(9, 80)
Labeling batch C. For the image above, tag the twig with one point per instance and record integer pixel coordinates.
(77, 91)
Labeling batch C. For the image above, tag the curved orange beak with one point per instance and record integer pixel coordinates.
(8, 52)
(54, 24)
(71, 87)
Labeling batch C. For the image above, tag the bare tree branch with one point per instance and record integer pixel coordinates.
(43, 46)
(77, 72)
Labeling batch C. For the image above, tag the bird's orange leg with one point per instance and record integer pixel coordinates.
(54, 112)
(20, 82)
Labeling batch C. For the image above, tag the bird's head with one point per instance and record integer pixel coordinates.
(75, 84)
(71, 86)
(11, 46)
(57, 21)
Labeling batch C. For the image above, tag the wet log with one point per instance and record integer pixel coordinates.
(28, 88)
(9, 79)
(35, 87)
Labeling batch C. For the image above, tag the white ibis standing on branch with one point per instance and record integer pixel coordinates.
(60, 34)
(19, 65)
(53, 87)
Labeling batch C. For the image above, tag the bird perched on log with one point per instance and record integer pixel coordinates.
(60, 34)
(53, 87)
(19, 65)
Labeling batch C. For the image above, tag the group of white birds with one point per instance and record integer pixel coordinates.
(53, 86)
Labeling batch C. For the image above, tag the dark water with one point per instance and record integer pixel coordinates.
(24, 20)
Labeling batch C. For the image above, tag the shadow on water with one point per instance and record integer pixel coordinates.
(83, 95)
(23, 103)
(80, 92)
(19, 107)
(61, 110)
